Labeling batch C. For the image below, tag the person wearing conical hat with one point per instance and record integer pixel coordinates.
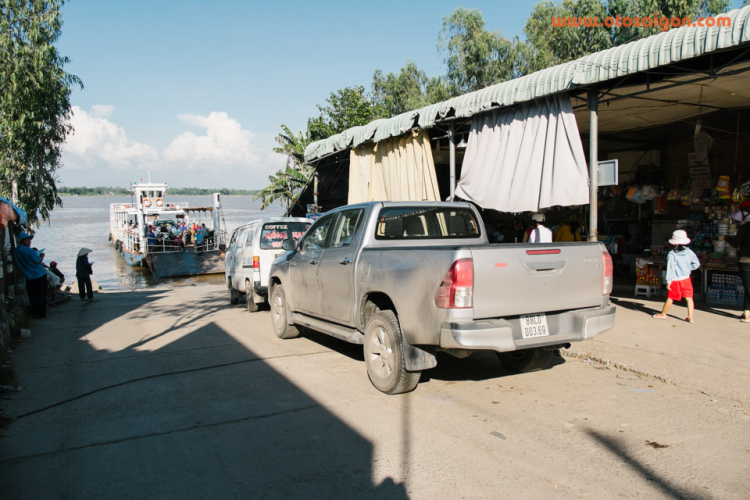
(83, 273)
(680, 263)
(29, 262)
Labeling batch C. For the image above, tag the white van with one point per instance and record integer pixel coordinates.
(250, 252)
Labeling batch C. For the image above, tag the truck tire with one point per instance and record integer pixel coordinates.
(384, 355)
(279, 315)
(250, 298)
(526, 360)
(234, 295)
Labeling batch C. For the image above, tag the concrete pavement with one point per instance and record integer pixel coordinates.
(177, 394)
(711, 355)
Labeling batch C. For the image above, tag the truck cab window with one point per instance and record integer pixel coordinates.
(316, 236)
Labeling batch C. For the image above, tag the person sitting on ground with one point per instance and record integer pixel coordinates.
(54, 270)
(83, 273)
(539, 233)
(680, 263)
(29, 262)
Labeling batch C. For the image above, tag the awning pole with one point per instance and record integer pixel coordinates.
(593, 100)
(452, 149)
(315, 190)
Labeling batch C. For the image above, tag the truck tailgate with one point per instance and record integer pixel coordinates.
(538, 278)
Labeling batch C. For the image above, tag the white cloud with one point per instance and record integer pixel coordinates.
(96, 140)
(225, 143)
(102, 110)
(220, 153)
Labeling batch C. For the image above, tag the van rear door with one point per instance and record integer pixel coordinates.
(272, 235)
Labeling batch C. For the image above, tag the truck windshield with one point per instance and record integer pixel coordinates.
(274, 233)
(405, 223)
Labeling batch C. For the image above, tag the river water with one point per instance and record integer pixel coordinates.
(83, 221)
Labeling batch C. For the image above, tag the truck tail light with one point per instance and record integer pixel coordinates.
(607, 274)
(256, 262)
(457, 288)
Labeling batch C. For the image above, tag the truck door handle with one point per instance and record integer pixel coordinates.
(314, 262)
(345, 262)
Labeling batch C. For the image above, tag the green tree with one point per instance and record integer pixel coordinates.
(293, 146)
(34, 103)
(547, 46)
(475, 58)
(346, 108)
(408, 90)
(285, 186)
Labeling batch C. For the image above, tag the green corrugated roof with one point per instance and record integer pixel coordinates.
(649, 53)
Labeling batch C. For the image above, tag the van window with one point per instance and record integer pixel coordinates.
(408, 223)
(273, 234)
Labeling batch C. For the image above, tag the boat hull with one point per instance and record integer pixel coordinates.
(187, 263)
(130, 258)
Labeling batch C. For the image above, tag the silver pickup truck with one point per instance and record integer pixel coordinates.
(408, 279)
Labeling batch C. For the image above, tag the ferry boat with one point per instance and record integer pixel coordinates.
(165, 251)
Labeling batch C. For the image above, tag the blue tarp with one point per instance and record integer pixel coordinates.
(22, 217)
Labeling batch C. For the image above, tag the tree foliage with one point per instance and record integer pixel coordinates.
(34, 103)
(293, 146)
(346, 108)
(409, 89)
(475, 57)
(285, 187)
(548, 46)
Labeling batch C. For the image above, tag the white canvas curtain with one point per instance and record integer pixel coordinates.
(525, 158)
(397, 169)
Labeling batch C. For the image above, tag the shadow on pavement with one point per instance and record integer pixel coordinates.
(200, 416)
(614, 446)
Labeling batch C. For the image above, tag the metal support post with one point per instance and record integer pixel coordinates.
(452, 149)
(593, 104)
(315, 190)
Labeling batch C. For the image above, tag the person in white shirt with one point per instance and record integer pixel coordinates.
(539, 233)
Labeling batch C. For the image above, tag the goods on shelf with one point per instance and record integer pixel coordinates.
(726, 289)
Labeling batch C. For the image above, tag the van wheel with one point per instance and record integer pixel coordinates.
(250, 298)
(526, 360)
(384, 355)
(279, 315)
(234, 295)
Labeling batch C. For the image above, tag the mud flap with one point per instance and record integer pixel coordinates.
(419, 358)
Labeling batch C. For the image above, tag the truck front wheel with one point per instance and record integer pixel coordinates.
(279, 316)
(526, 360)
(384, 355)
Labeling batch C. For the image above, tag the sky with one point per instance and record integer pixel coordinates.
(194, 92)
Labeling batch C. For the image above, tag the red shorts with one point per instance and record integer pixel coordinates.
(680, 289)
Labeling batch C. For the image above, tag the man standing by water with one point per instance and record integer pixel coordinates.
(29, 262)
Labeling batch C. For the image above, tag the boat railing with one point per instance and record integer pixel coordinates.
(159, 244)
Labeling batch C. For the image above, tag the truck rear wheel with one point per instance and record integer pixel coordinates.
(526, 360)
(384, 355)
(279, 317)
(234, 295)
(250, 298)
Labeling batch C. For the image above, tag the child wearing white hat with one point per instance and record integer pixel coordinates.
(680, 263)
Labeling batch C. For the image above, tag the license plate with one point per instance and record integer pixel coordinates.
(534, 325)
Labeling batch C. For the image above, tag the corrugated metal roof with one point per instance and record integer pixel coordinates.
(648, 53)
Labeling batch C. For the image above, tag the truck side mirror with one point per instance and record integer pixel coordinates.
(289, 244)
(222, 247)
